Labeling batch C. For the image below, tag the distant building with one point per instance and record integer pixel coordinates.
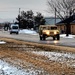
(71, 27)
(62, 27)
(51, 20)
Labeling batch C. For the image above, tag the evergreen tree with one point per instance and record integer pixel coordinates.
(28, 20)
(39, 20)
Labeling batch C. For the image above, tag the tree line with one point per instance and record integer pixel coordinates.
(27, 20)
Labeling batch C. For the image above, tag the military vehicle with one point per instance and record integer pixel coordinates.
(48, 31)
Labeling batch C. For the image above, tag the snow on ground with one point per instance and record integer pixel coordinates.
(2, 42)
(7, 69)
(67, 58)
(26, 31)
(64, 36)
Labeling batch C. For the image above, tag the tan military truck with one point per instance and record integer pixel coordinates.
(48, 31)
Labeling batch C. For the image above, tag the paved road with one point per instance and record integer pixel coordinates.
(35, 38)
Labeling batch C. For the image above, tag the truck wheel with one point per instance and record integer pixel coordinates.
(10, 32)
(16, 32)
(58, 37)
(44, 37)
(53, 38)
(40, 37)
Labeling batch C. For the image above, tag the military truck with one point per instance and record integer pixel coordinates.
(48, 31)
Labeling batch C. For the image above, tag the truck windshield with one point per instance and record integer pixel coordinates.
(14, 27)
(53, 28)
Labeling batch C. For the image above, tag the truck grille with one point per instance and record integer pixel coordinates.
(51, 32)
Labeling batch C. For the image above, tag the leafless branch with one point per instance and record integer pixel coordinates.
(63, 7)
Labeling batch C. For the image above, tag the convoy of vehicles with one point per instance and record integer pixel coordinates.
(44, 31)
(49, 31)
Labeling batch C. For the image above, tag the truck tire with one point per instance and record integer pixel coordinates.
(58, 37)
(53, 38)
(40, 37)
(16, 32)
(44, 37)
(10, 32)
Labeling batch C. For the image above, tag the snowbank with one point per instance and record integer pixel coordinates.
(7, 69)
(26, 31)
(64, 36)
(2, 42)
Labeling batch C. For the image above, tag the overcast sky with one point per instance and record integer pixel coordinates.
(10, 8)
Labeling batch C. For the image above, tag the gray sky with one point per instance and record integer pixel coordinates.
(10, 8)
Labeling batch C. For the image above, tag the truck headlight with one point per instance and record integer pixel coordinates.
(47, 33)
(55, 32)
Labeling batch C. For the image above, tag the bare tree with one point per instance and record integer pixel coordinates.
(64, 8)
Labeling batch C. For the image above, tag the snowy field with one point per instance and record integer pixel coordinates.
(7, 69)
(67, 58)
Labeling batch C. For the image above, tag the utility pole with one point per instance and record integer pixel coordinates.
(19, 10)
(55, 15)
(19, 18)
